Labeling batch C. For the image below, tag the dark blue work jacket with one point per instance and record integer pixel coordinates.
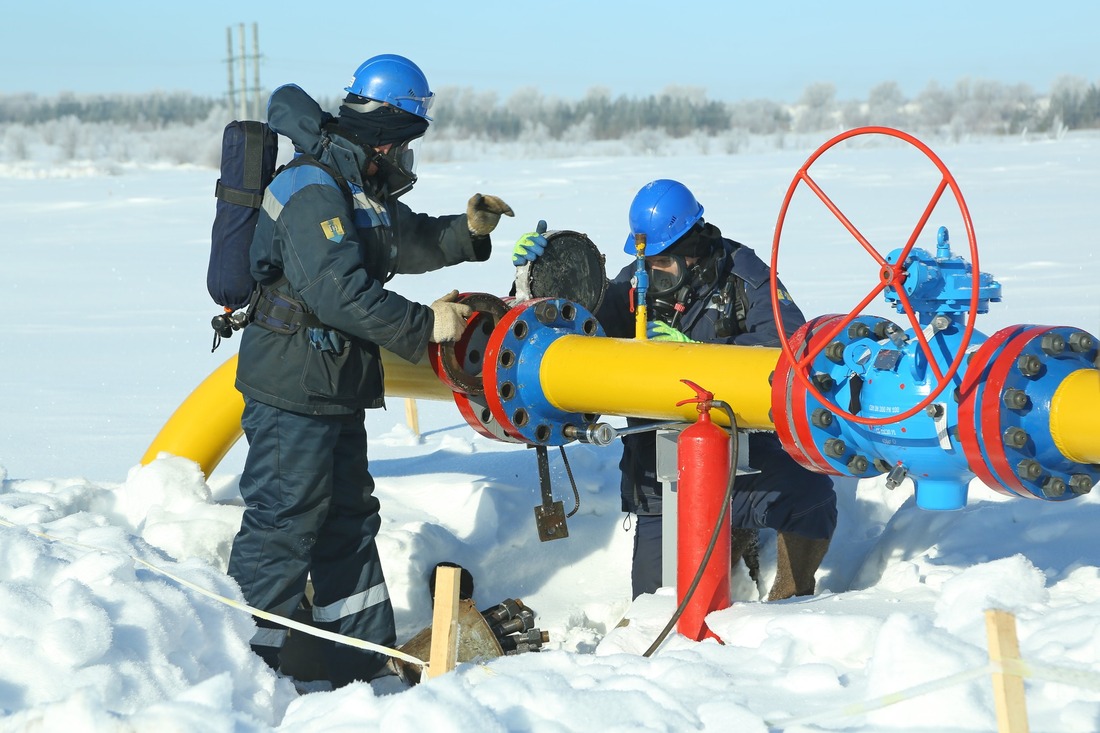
(331, 245)
(739, 315)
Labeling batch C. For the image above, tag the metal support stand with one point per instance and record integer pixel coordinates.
(668, 472)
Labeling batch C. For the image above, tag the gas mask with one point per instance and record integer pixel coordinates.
(673, 284)
(667, 273)
(670, 280)
(396, 172)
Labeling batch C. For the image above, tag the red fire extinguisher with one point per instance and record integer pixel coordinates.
(703, 459)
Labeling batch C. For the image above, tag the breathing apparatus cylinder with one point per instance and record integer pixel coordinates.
(702, 454)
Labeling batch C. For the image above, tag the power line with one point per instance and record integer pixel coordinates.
(244, 99)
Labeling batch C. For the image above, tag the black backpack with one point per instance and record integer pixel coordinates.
(248, 164)
(249, 152)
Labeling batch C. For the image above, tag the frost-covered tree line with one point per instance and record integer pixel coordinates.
(180, 128)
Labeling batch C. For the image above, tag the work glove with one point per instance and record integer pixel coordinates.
(530, 246)
(661, 331)
(450, 318)
(483, 213)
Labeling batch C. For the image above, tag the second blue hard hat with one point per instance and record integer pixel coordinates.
(663, 210)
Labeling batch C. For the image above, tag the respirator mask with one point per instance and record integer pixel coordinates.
(670, 279)
(396, 167)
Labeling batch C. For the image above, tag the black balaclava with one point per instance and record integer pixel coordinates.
(699, 241)
(381, 125)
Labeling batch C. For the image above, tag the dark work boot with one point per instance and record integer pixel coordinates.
(797, 559)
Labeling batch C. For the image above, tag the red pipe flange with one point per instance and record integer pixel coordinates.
(789, 399)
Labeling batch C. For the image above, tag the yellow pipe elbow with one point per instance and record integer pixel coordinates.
(208, 423)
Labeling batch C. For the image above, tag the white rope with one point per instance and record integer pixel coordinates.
(866, 706)
(289, 623)
(1014, 667)
(1063, 675)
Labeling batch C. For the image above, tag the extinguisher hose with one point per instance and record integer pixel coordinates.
(723, 517)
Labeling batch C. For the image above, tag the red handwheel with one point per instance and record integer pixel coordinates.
(889, 275)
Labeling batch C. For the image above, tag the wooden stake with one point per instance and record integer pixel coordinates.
(444, 648)
(411, 416)
(1008, 689)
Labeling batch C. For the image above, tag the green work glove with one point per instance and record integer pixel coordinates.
(661, 331)
(483, 213)
(530, 246)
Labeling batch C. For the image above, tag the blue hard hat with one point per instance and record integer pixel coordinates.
(663, 210)
(394, 80)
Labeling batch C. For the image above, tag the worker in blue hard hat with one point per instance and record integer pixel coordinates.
(330, 235)
(705, 287)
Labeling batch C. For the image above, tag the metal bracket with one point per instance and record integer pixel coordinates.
(550, 514)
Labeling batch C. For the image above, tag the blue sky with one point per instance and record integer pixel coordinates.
(734, 50)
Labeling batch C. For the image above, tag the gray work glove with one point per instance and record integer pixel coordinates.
(483, 213)
(450, 318)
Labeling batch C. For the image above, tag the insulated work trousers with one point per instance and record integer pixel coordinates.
(310, 511)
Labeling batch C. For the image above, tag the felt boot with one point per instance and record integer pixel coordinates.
(797, 559)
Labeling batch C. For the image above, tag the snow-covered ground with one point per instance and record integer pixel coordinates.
(107, 333)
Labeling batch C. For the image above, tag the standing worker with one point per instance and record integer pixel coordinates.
(331, 234)
(704, 287)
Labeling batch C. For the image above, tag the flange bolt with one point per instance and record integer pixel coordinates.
(1029, 469)
(1016, 399)
(1016, 437)
(1054, 487)
(1081, 342)
(857, 464)
(835, 448)
(546, 312)
(821, 417)
(1053, 344)
(1029, 365)
(1080, 483)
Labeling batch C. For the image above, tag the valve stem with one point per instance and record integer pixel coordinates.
(896, 476)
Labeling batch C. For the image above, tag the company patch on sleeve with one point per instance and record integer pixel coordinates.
(333, 229)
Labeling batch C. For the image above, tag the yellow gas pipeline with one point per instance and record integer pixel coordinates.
(602, 376)
(633, 378)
